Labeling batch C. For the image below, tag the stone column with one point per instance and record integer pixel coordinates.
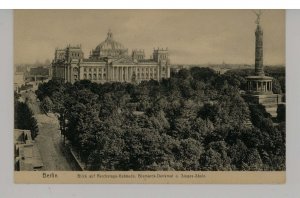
(271, 85)
(266, 86)
(121, 74)
(129, 74)
(256, 85)
(128, 78)
(159, 72)
(70, 74)
(120, 69)
(259, 70)
(118, 74)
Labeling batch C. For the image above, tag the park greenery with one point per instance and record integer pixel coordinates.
(195, 120)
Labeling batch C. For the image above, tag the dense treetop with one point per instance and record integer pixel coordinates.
(195, 120)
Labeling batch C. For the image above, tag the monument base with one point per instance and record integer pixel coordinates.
(269, 101)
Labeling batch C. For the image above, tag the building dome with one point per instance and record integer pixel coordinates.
(109, 48)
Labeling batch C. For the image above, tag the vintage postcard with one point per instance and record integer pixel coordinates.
(149, 96)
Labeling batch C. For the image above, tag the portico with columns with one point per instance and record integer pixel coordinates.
(259, 84)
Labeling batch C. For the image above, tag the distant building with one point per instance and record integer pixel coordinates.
(259, 86)
(39, 71)
(22, 68)
(110, 61)
(19, 80)
(27, 156)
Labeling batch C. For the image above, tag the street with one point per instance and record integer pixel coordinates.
(49, 140)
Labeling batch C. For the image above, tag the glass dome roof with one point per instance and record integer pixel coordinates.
(109, 48)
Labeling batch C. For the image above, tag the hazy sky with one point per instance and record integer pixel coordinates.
(192, 36)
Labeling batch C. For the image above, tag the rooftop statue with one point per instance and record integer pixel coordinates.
(258, 14)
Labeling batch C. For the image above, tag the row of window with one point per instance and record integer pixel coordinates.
(142, 75)
(104, 69)
(163, 56)
(146, 69)
(95, 69)
(102, 77)
(140, 57)
(75, 54)
(94, 76)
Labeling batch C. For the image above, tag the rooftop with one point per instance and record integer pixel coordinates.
(27, 155)
(259, 77)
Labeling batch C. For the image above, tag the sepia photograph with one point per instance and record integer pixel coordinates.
(149, 96)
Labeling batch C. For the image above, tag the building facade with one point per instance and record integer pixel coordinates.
(27, 155)
(110, 62)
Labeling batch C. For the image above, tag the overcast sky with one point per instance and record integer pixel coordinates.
(192, 36)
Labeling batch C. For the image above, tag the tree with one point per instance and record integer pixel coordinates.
(203, 74)
(253, 161)
(24, 119)
(190, 152)
(281, 113)
(257, 114)
(215, 157)
(144, 147)
(47, 104)
(183, 74)
(238, 154)
(276, 88)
